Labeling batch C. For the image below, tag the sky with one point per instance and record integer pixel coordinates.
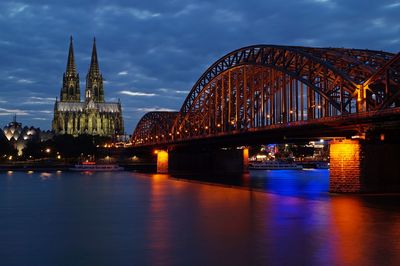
(151, 53)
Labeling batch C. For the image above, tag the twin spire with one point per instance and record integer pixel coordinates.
(94, 64)
(71, 66)
(94, 91)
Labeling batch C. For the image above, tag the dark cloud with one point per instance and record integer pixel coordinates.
(152, 52)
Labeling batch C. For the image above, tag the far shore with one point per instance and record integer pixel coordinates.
(63, 166)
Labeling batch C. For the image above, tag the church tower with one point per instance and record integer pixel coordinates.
(92, 116)
(94, 80)
(70, 91)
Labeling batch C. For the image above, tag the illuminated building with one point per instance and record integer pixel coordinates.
(93, 116)
(19, 136)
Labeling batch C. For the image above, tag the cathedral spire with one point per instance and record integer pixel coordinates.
(71, 68)
(94, 80)
(70, 91)
(94, 64)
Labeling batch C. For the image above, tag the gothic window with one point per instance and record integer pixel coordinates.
(65, 124)
(94, 120)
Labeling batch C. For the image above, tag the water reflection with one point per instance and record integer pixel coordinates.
(159, 230)
(364, 234)
(124, 218)
(307, 183)
(45, 175)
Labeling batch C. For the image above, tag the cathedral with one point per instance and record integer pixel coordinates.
(93, 116)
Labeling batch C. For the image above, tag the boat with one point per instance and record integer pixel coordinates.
(93, 166)
(274, 165)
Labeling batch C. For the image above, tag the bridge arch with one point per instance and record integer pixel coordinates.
(263, 85)
(154, 127)
(268, 85)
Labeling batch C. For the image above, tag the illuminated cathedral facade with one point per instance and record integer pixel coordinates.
(92, 116)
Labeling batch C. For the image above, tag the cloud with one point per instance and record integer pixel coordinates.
(123, 73)
(154, 109)
(16, 8)
(182, 92)
(140, 14)
(34, 100)
(46, 111)
(167, 90)
(25, 81)
(393, 5)
(187, 10)
(7, 112)
(137, 93)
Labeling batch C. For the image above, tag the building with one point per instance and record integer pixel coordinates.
(19, 136)
(92, 116)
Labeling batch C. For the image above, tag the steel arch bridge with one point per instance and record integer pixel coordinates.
(262, 86)
(154, 127)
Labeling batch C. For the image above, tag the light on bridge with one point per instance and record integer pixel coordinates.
(206, 127)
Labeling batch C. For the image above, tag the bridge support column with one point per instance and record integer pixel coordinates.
(345, 166)
(364, 166)
(202, 160)
(246, 160)
(162, 162)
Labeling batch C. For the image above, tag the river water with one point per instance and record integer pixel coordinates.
(126, 218)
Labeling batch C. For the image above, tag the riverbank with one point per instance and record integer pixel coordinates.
(48, 165)
(34, 165)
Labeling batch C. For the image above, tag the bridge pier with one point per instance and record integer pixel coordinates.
(162, 161)
(364, 166)
(216, 161)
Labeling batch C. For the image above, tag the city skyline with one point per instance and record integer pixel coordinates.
(151, 54)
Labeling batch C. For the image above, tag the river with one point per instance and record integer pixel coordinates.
(125, 218)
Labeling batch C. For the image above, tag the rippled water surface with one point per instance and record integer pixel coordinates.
(126, 218)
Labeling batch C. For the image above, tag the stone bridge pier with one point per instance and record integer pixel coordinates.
(358, 166)
(217, 161)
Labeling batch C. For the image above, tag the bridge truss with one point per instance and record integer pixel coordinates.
(265, 85)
